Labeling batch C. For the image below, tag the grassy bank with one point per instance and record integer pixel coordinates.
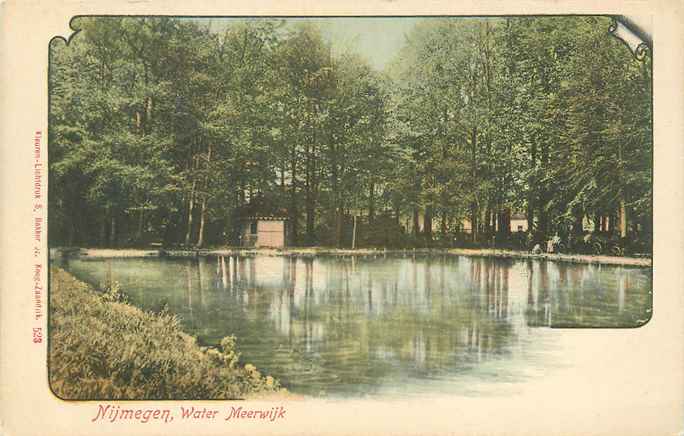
(103, 348)
(324, 251)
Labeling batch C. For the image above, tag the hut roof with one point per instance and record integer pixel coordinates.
(264, 218)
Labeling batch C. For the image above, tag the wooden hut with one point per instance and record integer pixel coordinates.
(263, 231)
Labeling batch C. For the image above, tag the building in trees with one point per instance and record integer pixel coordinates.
(518, 222)
(263, 231)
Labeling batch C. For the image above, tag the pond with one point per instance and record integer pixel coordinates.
(384, 326)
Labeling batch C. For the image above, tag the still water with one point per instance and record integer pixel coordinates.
(384, 326)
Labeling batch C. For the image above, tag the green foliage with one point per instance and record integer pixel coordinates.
(111, 292)
(101, 348)
(161, 129)
(550, 116)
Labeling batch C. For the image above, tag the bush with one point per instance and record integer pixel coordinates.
(111, 292)
(101, 348)
(596, 244)
(384, 232)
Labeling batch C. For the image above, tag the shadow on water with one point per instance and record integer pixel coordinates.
(374, 325)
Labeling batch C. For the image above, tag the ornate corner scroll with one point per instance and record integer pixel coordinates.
(636, 39)
(73, 31)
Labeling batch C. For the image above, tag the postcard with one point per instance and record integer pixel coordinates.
(378, 218)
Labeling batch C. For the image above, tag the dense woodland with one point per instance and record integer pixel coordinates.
(166, 130)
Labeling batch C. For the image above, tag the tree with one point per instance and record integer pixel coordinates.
(168, 129)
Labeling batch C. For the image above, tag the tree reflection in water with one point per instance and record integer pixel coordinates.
(360, 325)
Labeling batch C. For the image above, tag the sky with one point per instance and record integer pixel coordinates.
(378, 39)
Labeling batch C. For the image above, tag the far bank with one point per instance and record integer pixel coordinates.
(645, 262)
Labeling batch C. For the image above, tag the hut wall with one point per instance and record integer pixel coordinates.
(271, 234)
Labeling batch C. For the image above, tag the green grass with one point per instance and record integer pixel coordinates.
(103, 348)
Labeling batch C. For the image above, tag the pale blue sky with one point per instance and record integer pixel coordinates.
(378, 39)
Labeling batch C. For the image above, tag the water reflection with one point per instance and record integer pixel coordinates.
(372, 325)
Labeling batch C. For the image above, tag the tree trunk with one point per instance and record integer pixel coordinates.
(203, 210)
(416, 221)
(427, 225)
(310, 233)
(532, 184)
(141, 218)
(543, 221)
(104, 234)
(474, 222)
(310, 217)
(505, 226)
(623, 219)
(530, 215)
(500, 222)
(488, 227)
(338, 227)
(191, 207)
(294, 213)
(309, 206)
(354, 234)
(200, 237)
(148, 114)
(613, 222)
(578, 227)
(371, 203)
(597, 223)
(647, 230)
(336, 209)
(543, 194)
(112, 229)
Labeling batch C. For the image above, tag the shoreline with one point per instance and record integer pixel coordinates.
(99, 253)
(125, 341)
